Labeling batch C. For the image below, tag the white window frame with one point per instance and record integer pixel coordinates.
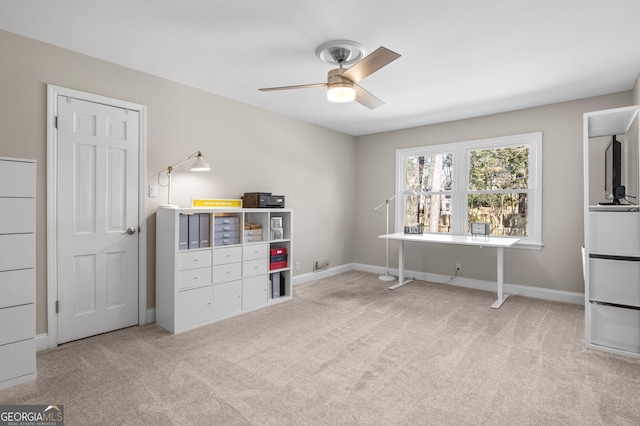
(460, 188)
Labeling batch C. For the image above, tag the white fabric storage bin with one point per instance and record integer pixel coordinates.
(615, 233)
(615, 281)
(615, 327)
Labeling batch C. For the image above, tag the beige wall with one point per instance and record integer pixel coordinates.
(558, 265)
(249, 149)
(636, 91)
(332, 180)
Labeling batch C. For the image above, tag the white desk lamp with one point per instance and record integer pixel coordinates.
(406, 192)
(199, 165)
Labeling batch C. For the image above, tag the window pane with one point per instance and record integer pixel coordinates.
(507, 213)
(504, 168)
(432, 211)
(429, 173)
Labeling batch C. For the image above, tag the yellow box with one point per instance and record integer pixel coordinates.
(217, 203)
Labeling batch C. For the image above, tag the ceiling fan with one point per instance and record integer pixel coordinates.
(342, 83)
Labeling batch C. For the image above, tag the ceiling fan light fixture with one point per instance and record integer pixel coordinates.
(341, 92)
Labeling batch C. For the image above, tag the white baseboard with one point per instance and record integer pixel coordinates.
(151, 315)
(511, 289)
(42, 342)
(312, 276)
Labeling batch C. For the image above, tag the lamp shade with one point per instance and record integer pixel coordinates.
(200, 165)
(341, 92)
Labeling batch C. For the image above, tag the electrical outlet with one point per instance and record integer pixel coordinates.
(297, 266)
(458, 266)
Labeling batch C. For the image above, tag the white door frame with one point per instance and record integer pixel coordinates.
(52, 186)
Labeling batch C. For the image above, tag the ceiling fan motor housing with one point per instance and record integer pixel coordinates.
(335, 76)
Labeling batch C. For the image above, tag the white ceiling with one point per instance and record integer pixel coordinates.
(460, 58)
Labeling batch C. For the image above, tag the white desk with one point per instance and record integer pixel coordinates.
(498, 242)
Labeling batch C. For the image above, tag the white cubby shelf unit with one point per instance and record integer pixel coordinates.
(213, 264)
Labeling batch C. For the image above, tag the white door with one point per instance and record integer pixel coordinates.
(97, 214)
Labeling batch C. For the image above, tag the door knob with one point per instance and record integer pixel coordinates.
(131, 230)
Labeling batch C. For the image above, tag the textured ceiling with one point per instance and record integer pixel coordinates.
(460, 58)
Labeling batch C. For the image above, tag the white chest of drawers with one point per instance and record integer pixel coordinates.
(17, 271)
(612, 233)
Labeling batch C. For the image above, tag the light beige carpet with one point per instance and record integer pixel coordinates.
(346, 350)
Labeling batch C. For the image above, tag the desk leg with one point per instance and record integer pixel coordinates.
(401, 280)
(501, 296)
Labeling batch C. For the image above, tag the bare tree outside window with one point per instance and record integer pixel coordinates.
(430, 176)
(496, 180)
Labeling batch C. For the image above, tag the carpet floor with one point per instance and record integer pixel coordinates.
(348, 351)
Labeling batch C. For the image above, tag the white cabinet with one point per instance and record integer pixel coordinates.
(17, 271)
(612, 236)
(199, 285)
(255, 292)
(195, 308)
(228, 298)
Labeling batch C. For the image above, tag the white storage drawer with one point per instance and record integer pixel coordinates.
(255, 292)
(227, 272)
(228, 298)
(199, 277)
(194, 259)
(615, 281)
(17, 179)
(17, 251)
(255, 251)
(195, 307)
(614, 327)
(227, 227)
(255, 267)
(17, 287)
(18, 359)
(22, 321)
(18, 215)
(227, 240)
(227, 255)
(615, 233)
(226, 220)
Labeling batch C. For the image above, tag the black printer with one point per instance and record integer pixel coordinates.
(262, 200)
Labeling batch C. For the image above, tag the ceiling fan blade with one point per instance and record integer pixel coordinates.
(370, 64)
(366, 98)
(302, 86)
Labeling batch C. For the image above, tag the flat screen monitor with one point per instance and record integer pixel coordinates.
(614, 190)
